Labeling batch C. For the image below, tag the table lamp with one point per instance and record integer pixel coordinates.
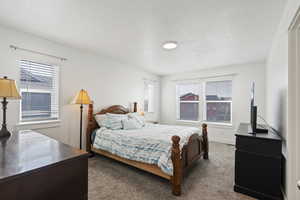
(8, 90)
(82, 98)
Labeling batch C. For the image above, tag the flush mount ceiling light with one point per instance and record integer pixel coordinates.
(170, 45)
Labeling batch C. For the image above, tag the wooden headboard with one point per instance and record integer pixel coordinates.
(92, 124)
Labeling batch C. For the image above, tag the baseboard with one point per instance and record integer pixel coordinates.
(283, 194)
(221, 140)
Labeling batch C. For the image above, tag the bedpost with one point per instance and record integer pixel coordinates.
(89, 128)
(135, 107)
(205, 141)
(177, 167)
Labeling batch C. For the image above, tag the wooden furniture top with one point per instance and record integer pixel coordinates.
(27, 151)
(244, 128)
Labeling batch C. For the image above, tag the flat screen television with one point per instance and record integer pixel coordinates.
(253, 113)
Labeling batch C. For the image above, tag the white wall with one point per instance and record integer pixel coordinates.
(244, 75)
(277, 92)
(108, 82)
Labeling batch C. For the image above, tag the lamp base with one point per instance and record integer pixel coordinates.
(4, 132)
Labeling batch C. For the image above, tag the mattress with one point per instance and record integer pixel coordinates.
(150, 144)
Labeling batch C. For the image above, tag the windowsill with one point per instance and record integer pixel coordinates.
(221, 125)
(211, 124)
(188, 121)
(38, 124)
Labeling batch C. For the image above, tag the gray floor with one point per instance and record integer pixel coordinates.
(211, 179)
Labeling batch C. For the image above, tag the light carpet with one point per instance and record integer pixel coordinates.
(208, 180)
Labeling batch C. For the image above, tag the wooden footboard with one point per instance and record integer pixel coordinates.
(182, 159)
(177, 166)
(191, 152)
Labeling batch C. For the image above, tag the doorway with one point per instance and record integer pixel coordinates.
(293, 138)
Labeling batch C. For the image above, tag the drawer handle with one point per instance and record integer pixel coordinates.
(298, 184)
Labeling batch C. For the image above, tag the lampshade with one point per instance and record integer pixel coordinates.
(9, 89)
(82, 97)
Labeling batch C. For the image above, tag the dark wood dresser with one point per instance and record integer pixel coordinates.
(258, 161)
(36, 167)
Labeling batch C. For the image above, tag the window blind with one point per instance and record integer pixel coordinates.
(39, 87)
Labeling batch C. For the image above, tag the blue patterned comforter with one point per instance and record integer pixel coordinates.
(150, 144)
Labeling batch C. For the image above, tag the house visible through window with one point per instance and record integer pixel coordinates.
(218, 101)
(148, 96)
(188, 98)
(39, 90)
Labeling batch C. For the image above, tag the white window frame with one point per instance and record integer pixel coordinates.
(209, 101)
(178, 101)
(41, 121)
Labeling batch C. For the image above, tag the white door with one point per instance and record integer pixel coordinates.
(293, 138)
(298, 109)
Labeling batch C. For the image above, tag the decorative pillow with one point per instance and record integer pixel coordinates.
(102, 120)
(139, 118)
(129, 124)
(115, 120)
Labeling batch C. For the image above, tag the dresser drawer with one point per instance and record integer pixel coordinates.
(258, 173)
(259, 146)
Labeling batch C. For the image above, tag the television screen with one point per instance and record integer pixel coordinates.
(252, 102)
(253, 113)
(253, 109)
(252, 94)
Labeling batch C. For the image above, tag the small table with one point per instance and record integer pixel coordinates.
(36, 167)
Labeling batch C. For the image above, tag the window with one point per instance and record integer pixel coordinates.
(39, 91)
(188, 101)
(218, 101)
(149, 97)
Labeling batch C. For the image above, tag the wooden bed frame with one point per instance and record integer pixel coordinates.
(182, 160)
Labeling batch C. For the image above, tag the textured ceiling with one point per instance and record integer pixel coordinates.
(210, 33)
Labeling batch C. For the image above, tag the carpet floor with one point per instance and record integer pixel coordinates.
(208, 180)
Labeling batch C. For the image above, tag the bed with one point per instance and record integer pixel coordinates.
(182, 151)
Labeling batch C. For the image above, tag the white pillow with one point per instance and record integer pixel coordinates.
(129, 124)
(139, 118)
(115, 120)
(102, 120)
